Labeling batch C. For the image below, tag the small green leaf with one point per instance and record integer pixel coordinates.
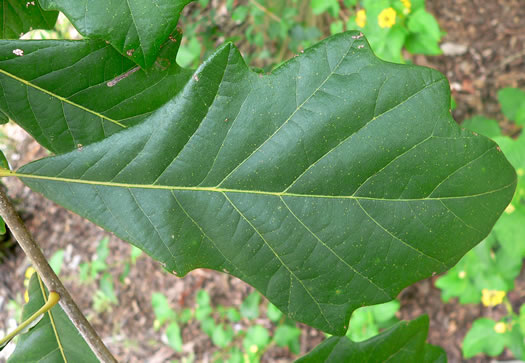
(106, 286)
(208, 325)
(257, 337)
(50, 341)
(483, 126)
(233, 315)
(511, 101)
(56, 261)
(162, 310)
(250, 306)
(385, 312)
(288, 336)
(222, 336)
(423, 23)
(482, 338)
(273, 313)
(174, 336)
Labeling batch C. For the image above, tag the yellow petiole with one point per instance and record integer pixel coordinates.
(52, 300)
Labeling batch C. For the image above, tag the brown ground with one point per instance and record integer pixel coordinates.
(493, 33)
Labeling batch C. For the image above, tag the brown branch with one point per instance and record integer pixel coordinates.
(37, 258)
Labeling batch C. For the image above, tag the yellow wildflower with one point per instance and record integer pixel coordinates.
(510, 208)
(492, 297)
(254, 348)
(387, 18)
(462, 274)
(520, 172)
(500, 327)
(26, 296)
(360, 18)
(408, 5)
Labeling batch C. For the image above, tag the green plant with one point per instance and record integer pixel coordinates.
(330, 197)
(487, 273)
(391, 26)
(234, 332)
(367, 322)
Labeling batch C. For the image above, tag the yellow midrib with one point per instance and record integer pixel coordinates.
(52, 320)
(63, 99)
(4, 172)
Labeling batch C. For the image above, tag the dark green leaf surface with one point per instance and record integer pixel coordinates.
(71, 93)
(20, 16)
(137, 29)
(54, 338)
(404, 342)
(330, 184)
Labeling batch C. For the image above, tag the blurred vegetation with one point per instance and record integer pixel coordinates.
(272, 31)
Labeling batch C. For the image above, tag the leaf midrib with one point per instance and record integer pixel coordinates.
(60, 98)
(4, 172)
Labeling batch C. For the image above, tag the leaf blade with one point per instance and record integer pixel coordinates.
(54, 337)
(136, 29)
(90, 91)
(222, 178)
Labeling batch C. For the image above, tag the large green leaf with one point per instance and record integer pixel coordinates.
(71, 93)
(54, 338)
(330, 184)
(137, 29)
(20, 16)
(404, 343)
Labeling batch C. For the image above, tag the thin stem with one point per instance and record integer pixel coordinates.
(266, 11)
(39, 262)
(52, 301)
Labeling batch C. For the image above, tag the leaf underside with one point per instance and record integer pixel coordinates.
(54, 338)
(68, 94)
(404, 343)
(331, 184)
(137, 29)
(18, 17)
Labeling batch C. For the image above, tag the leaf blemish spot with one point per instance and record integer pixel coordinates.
(130, 52)
(30, 3)
(196, 78)
(80, 147)
(18, 52)
(121, 77)
(360, 46)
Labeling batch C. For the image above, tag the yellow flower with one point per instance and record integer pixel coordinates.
(408, 5)
(520, 172)
(462, 274)
(510, 208)
(360, 18)
(26, 296)
(492, 297)
(387, 18)
(500, 327)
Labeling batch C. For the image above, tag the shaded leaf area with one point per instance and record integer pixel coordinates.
(54, 338)
(404, 342)
(71, 93)
(331, 184)
(137, 29)
(18, 17)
